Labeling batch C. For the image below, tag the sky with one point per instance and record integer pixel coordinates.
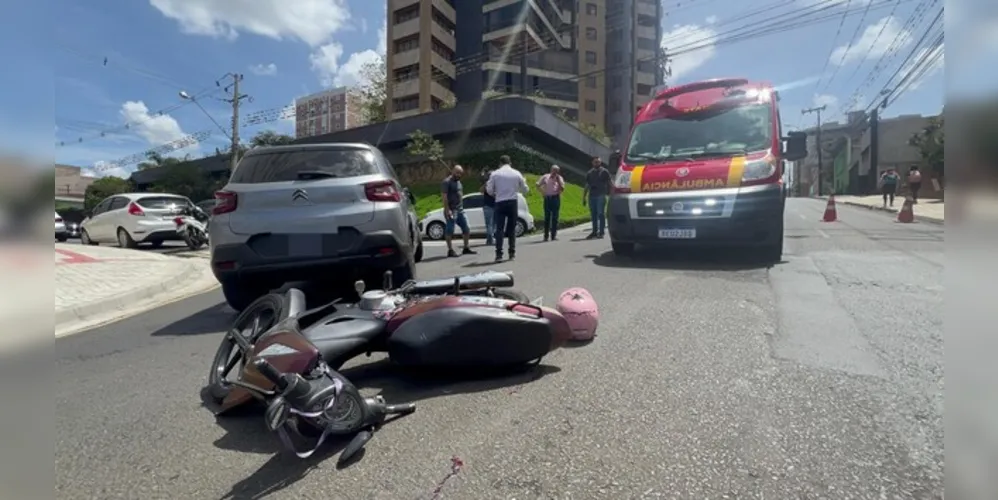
(119, 63)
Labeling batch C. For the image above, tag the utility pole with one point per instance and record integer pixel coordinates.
(874, 174)
(817, 110)
(236, 98)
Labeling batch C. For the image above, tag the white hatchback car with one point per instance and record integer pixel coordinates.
(434, 222)
(129, 219)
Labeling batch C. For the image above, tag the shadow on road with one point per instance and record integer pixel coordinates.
(246, 432)
(684, 260)
(216, 318)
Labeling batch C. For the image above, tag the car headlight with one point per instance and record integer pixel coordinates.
(622, 180)
(759, 169)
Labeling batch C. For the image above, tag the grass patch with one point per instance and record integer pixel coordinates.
(572, 211)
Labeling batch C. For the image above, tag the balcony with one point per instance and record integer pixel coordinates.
(441, 92)
(407, 58)
(646, 32)
(444, 35)
(444, 9)
(443, 65)
(645, 78)
(401, 4)
(405, 89)
(647, 9)
(405, 29)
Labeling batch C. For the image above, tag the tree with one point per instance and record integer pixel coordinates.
(594, 131)
(373, 91)
(424, 147)
(270, 138)
(186, 179)
(931, 142)
(102, 188)
(156, 160)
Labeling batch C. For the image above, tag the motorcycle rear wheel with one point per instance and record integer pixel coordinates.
(252, 322)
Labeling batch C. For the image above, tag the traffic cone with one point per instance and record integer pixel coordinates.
(906, 215)
(830, 214)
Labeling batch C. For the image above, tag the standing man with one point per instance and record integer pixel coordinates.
(504, 184)
(889, 185)
(452, 192)
(488, 210)
(598, 185)
(551, 185)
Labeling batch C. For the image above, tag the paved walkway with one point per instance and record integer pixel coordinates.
(98, 284)
(927, 210)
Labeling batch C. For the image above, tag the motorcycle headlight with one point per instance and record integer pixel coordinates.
(759, 169)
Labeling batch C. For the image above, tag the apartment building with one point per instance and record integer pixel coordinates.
(421, 46)
(633, 43)
(326, 112)
(595, 61)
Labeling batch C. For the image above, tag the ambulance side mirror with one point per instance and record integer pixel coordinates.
(795, 146)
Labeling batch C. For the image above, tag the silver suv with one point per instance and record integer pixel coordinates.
(302, 212)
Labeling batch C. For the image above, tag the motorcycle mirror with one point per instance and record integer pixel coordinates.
(358, 286)
(356, 444)
(277, 413)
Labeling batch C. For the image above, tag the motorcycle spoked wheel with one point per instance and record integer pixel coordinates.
(256, 319)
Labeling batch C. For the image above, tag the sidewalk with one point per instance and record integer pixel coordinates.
(96, 285)
(925, 210)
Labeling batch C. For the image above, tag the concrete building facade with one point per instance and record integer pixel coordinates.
(420, 58)
(325, 112)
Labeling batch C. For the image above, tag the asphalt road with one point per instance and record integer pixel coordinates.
(820, 377)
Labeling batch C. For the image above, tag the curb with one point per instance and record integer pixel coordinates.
(918, 218)
(87, 311)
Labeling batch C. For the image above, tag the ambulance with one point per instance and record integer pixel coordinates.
(704, 167)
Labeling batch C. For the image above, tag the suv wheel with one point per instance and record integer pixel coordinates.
(521, 227)
(419, 251)
(240, 294)
(435, 231)
(622, 248)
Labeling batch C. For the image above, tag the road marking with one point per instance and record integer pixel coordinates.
(822, 233)
(69, 257)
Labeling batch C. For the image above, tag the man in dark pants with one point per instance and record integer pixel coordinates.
(598, 185)
(551, 185)
(452, 193)
(505, 184)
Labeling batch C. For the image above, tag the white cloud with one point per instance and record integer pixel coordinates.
(924, 54)
(156, 130)
(264, 69)
(383, 33)
(684, 64)
(826, 100)
(711, 19)
(332, 73)
(107, 169)
(311, 21)
(869, 45)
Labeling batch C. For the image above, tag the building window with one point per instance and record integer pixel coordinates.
(408, 14)
(590, 9)
(591, 33)
(590, 57)
(591, 105)
(407, 44)
(643, 89)
(591, 82)
(646, 44)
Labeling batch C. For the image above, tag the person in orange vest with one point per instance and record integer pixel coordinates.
(914, 182)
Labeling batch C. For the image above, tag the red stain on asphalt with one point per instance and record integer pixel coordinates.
(74, 258)
(455, 466)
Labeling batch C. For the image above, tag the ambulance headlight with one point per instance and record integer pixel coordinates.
(762, 168)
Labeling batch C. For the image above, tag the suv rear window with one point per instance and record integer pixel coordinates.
(162, 202)
(288, 165)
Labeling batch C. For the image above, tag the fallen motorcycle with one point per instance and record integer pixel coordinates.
(289, 356)
(192, 227)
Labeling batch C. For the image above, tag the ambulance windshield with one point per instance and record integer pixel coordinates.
(703, 133)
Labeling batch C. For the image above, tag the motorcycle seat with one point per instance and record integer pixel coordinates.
(344, 336)
(465, 283)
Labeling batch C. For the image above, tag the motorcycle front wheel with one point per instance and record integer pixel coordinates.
(256, 319)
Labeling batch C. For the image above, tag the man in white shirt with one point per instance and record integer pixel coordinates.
(504, 184)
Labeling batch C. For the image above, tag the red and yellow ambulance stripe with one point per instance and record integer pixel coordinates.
(718, 174)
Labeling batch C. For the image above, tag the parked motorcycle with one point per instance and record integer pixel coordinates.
(192, 226)
(288, 356)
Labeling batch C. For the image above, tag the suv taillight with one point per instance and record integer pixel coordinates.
(225, 202)
(134, 209)
(382, 191)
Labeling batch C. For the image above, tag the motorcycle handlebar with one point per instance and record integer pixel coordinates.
(267, 370)
(294, 388)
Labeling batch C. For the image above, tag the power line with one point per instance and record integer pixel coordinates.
(831, 51)
(914, 50)
(845, 53)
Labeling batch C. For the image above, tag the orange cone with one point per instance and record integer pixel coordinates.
(830, 214)
(906, 215)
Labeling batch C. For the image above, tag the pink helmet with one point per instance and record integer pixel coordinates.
(580, 311)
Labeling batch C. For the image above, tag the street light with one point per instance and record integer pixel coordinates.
(187, 97)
